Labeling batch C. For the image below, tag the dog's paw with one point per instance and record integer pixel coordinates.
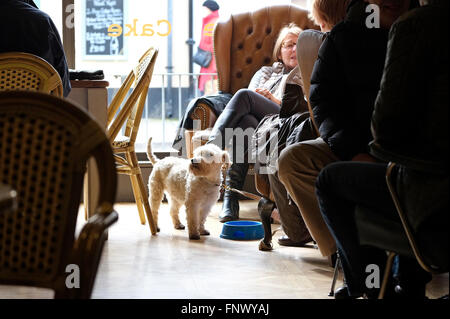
(180, 227)
(158, 230)
(204, 232)
(194, 237)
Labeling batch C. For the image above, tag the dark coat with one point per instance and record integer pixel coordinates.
(345, 82)
(217, 103)
(410, 123)
(23, 28)
(276, 131)
(411, 112)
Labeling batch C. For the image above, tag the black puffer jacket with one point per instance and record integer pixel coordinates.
(411, 113)
(410, 124)
(345, 82)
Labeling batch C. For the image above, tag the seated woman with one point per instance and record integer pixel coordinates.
(249, 106)
(326, 14)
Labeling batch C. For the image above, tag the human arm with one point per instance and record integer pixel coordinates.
(324, 92)
(256, 80)
(268, 95)
(364, 157)
(400, 107)
(332, 102)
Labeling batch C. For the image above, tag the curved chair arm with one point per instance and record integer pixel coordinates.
(205, 115)
(87, 252)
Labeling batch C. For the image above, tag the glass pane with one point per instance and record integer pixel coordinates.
(112, 35)
(54, 10)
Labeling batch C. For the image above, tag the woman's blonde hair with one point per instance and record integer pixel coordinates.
(330, 12)
(292, 28)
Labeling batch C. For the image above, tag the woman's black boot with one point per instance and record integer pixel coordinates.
(235, 179)
(218, 134)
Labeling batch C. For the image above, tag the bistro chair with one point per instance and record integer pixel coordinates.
(427, 242)
(127, 114)
(45, 144)
(24, 71)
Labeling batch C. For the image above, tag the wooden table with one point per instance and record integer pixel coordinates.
(8, 199)
(93, 96)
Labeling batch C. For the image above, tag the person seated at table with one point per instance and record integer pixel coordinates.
(344, 84)
(422, 158)
(25, 28)
(249, 106)
(326, 14)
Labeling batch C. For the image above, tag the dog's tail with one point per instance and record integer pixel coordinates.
(150, 155)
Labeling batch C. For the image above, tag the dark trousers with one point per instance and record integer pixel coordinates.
(291, 219)
(340, 187)
(245, 110)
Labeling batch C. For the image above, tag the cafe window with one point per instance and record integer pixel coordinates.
(53, 9)
(111, 35)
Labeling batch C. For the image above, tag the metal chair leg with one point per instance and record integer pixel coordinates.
(336, 272)
(387, 273)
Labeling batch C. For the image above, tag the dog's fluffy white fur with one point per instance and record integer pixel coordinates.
(194, 183)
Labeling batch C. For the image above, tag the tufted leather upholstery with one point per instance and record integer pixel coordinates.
(244, 43)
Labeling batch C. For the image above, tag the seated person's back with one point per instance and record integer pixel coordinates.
(24, 28)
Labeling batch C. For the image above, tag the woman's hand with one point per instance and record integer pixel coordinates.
(266, 93)
(364, 157)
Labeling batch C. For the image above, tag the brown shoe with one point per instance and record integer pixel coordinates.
(286, 241)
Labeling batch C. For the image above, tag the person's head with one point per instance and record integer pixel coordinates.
(211, 5)
(390, 10)
(328, 13)
(285, 50)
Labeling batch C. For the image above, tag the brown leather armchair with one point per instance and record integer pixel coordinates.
(242, 45)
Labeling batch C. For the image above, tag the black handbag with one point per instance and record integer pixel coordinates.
(86, 75)
(203, 58)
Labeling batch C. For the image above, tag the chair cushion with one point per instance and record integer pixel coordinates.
(121, 141)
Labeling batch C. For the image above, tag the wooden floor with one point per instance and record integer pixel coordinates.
(169, 266)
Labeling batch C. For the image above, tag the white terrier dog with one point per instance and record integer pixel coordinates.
(194, 183)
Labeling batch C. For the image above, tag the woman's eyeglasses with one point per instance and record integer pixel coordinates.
(288, 45)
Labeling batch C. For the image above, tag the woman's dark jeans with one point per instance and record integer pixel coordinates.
(244, 111)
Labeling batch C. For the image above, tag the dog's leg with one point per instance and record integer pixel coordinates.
(192, 216)
(174, 211)
(203, 215)
(203, 231)
(156, 195)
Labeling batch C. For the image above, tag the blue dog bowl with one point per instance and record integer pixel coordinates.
(242, 230)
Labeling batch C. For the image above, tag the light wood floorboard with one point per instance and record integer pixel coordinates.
(136, 265)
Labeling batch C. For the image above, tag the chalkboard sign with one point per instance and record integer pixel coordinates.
(99, 15)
